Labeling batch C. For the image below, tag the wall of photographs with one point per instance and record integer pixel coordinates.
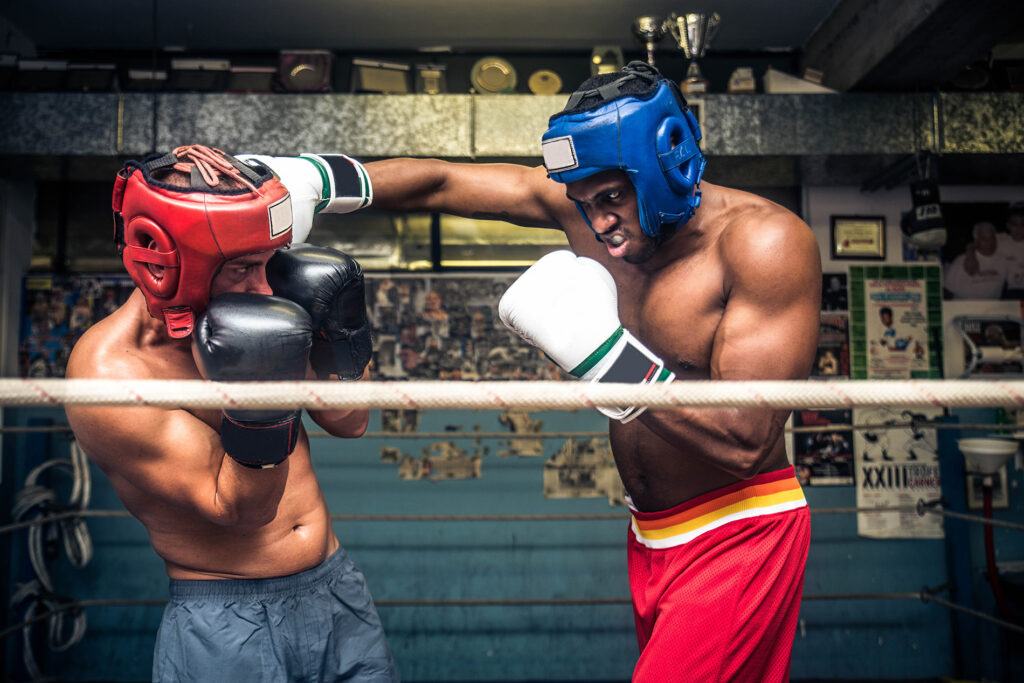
(425, 327)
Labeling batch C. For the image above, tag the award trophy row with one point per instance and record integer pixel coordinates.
(692, 34)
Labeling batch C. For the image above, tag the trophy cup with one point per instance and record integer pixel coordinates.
(649, 29)
(693, 33)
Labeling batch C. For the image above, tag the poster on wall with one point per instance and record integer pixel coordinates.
(896, 466)
(984, 254)
(895, 322)
(982, 339)
(823, 455)
(833, 292)
(833, 357)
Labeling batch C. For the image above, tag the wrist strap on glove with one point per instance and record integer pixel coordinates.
(260, 445)
(623, 359)
(346, 184)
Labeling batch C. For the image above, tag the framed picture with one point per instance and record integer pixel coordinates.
(858, 238)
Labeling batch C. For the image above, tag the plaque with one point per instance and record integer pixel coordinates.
(304, 70)
(251, 78)
(430, 79)
(606, 59)
(492, 75)
(742, 81)
(858, 237)
(544, 82)
(200, 75)
(375, 76)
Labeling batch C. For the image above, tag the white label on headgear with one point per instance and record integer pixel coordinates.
(281, 216)
(559, 154)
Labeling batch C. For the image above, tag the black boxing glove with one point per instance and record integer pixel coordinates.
(244, 336)
(329, 285)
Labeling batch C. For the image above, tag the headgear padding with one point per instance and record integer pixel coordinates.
(173, 240)
(638, 122)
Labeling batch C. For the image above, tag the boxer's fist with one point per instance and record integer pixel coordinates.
(567, 306)
(333, 183)
(328, 284)
(243, 336)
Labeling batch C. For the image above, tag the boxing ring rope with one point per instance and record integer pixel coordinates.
(552, 395)
(925, 595)
(921, 508)
(806, 429)
(545, 395)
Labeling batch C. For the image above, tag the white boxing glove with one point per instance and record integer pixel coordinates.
(332, 183)
(567, 306)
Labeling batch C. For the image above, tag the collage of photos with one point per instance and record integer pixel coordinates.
(447, 328)
(57, 310)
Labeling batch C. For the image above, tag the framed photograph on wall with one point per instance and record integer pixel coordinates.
(895, 321)
(860, 238)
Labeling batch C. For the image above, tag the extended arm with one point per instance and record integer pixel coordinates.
(509, 192)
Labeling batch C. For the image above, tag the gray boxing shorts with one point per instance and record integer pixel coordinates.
(317, 625)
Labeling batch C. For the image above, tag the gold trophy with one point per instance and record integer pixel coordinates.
(649, 30)
(693, 33)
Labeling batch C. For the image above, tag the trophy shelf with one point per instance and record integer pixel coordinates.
(494, 126)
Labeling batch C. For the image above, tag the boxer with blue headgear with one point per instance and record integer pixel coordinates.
(687, 279)
(637, 121)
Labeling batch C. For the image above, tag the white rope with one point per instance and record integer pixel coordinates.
(551, 395)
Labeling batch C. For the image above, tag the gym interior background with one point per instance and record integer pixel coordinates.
(494, 542)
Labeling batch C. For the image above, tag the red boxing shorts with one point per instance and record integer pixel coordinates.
(716, 582)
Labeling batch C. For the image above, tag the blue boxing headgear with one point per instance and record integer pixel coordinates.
(636, 121)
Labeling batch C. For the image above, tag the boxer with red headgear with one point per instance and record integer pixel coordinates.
(174, 239)
(230, 499)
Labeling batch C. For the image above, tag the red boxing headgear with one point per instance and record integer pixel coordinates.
(189, 232)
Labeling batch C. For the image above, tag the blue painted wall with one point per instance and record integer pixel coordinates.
(852, 639)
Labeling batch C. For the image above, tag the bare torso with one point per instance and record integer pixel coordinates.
(156, 484)
(735, 294)
(676, 307)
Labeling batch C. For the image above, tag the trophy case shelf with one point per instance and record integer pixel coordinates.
(495, 126)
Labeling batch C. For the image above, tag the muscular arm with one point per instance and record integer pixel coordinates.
(174, 457)
(769, 330)
(170, 456)
(509, 192)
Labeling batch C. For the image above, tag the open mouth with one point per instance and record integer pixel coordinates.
(616, 243)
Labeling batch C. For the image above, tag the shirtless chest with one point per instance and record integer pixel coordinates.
(167, 467)
(674, 311)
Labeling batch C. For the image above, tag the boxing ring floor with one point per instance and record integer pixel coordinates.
(486, 580)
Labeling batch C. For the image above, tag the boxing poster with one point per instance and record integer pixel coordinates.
(895, 322)
(834, 296)
(832, 360)
(896, 465)
(823, 447)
